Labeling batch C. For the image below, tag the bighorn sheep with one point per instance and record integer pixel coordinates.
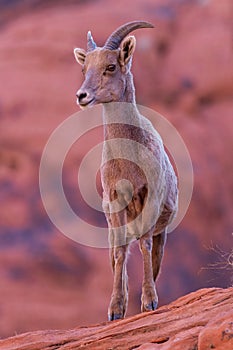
(140, 193)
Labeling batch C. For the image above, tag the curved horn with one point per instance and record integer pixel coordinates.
(113, 42)
(91, 45)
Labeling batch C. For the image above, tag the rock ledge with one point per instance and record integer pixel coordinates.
(200, 320)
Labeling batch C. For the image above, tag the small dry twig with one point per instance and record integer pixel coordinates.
(224, 261)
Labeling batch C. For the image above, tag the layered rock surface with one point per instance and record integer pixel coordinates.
(201, 320)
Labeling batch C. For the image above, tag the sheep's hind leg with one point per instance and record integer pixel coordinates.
(157, 252)
(149, 300)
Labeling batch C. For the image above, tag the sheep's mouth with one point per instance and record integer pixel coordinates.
(86, 104)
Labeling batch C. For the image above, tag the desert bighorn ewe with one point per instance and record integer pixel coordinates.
(139, 184)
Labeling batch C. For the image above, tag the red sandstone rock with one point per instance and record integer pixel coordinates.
(201, 320)
(218, 333)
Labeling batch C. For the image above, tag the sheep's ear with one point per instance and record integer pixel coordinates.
(127, 49)
(80, 55)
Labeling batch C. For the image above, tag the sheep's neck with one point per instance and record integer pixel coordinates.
(129, 92)
(115, 114)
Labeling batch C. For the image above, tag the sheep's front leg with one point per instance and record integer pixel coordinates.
(149, 300)
(119, 298)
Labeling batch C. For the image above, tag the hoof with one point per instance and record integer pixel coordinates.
(149, 300)
(116, 309)
(151, 306)
(114, 317)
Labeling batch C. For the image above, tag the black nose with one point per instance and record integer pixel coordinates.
(81, 96)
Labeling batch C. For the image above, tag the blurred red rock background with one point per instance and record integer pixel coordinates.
(184, 70)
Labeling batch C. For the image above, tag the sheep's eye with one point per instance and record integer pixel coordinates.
(111, 68)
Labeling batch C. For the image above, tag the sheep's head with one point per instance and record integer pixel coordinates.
(106, 69)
